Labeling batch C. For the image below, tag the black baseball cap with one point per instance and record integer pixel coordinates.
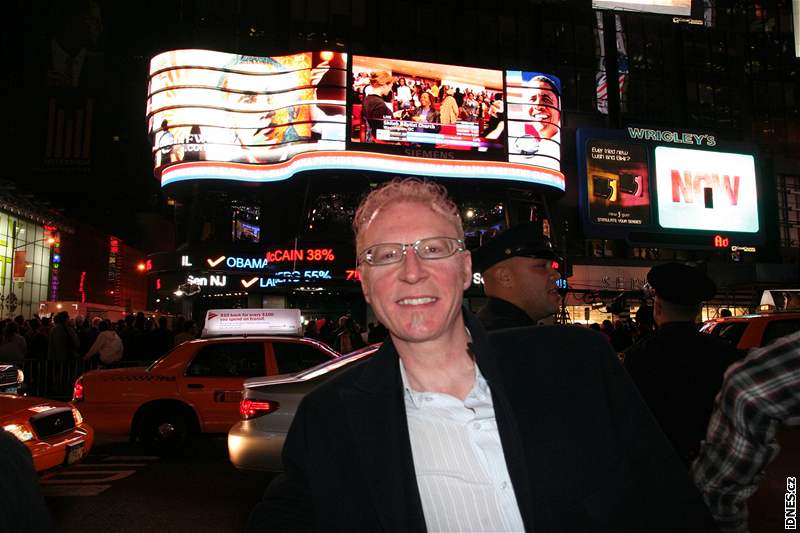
(523, 240)
(681, 284)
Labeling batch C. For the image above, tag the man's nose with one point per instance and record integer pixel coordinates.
(411, 269)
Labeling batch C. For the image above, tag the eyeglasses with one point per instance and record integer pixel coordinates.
(428, 249)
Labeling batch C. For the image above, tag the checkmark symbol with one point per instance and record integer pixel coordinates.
(248, 283)
(214, 262)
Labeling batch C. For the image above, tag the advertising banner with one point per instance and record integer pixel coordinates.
(221, 116)
(253, 322)
(20, 266)
(668, 187)
(702, 190)
(618, 183)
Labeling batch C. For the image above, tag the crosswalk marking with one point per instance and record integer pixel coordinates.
(54, 491)
(92, 478)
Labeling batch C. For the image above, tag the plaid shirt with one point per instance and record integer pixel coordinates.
(758, 395)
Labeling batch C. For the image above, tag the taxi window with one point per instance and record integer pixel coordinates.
(730, 331)
(297, 356)
(779, 328)
(229, 359)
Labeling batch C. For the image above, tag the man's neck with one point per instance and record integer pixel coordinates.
(443, 365)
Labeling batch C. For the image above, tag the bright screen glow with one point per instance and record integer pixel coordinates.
(205, 105)
(681, 8)
(534, 118)
(408, 103)
(703, 190)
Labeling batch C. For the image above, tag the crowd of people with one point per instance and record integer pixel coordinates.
(62, 338)
(345, 334)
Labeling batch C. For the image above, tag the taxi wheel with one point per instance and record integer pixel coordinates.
(165, 431)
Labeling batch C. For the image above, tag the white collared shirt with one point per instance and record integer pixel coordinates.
(459, 461)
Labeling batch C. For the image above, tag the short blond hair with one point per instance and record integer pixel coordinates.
(415, 190)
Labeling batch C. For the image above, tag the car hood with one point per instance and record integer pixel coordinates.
(11, 403)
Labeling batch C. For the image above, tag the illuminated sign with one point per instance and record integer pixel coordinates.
(210, 281)
(253, 322)
(221, 116)
(635, 186)
(748, 249)
(185, 262)
(664, 7)
(705, 190)
(670, 136)
(721, 242)
(310, 254)
(205, 105)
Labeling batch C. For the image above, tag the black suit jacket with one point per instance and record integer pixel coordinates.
(583, 452)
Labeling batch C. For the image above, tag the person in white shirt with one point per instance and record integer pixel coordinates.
(108, 345)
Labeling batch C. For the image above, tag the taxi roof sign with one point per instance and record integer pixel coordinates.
(253, 322)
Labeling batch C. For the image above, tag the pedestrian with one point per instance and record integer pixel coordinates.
(679, 356)
(108, 345)
(63, 342)
(519, 271)
(759, 395)
(37, 345)
(163, 338)
(13, 348)
(448, 429)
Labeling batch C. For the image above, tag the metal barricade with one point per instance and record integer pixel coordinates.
(54, 379)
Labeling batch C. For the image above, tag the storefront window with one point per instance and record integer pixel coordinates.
(24, 266)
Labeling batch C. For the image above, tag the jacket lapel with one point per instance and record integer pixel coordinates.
(376, 416)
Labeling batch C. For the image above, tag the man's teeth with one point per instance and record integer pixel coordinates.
(416, 301)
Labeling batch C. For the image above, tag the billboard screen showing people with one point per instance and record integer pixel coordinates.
(205, 105)
(681, 8)
(534, 118)
(403, 104)
(222, 116)
(704, 190)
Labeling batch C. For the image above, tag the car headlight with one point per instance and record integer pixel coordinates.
(21, 431)
(77, 416)
(20, 376)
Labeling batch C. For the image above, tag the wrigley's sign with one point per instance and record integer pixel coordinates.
(669, 136)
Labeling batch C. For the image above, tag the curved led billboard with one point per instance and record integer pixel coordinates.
(221, 116)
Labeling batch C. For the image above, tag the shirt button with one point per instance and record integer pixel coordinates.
(476, 425)
(504, 485)
(428, 399)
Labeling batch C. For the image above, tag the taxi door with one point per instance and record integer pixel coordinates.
(214, 380)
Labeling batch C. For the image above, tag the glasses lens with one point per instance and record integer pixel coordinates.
(384, 254)
(436, 247)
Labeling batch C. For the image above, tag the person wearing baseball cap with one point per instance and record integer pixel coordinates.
(679, 370)
(519, 270)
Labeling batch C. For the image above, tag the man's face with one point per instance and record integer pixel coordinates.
(535, 285)
(418, 300)
(544, 109)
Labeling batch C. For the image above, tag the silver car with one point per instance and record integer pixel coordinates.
(268, 406)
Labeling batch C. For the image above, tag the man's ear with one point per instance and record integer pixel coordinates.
(467, 269)
(502, 275)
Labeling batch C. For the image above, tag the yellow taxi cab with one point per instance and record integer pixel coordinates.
(754, 330)
(198, 385)
(54, 432)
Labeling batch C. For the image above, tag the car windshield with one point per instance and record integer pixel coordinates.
(730, 331)
(330, 366)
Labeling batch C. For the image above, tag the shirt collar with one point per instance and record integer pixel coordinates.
(415, 398)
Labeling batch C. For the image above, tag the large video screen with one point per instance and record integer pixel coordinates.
(704, 190)
(534, 118)
(222, 116)
(205, 105)
(681, 8)
(427, 105)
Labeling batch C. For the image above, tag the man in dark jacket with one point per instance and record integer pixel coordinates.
(445, 429)
(24, 508)
(519, 270)
(679, 370)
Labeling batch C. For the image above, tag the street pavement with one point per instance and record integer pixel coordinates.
(120, 488)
